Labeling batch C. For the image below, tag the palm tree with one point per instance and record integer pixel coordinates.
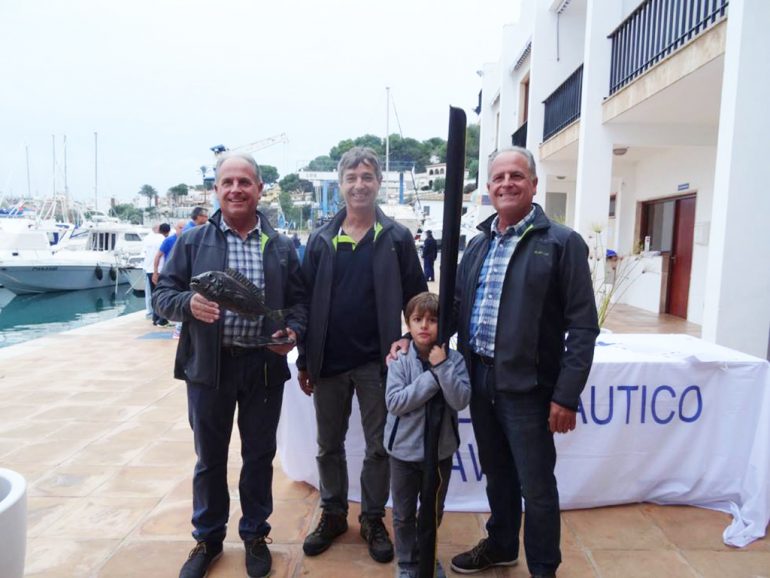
(149, 192)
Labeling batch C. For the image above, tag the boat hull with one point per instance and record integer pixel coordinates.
(27, 279)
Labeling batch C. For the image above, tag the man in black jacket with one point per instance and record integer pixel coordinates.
(429, 253)
(220, 374)
(526, 325)
(361, 269)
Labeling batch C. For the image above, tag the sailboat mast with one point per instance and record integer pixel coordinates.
(387, 138)
(53, 180)
(66, 187)
(96, 173)
(29, 188)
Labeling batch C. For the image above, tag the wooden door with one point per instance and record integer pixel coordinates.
(680, 264)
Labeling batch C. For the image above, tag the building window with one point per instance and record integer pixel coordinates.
(612, 205)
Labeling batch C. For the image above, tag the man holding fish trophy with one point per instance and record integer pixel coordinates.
(237, 286)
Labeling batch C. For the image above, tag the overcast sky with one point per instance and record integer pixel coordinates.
(161, 81)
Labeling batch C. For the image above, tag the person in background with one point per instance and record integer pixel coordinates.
(222, 376)
(429, 253)
(164, 251)
(158, 260)
(416, 376)
(150, 245)
(361, 269)
(198, 216)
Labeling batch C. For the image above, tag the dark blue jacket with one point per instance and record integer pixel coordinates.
(204, 249)
(397, 278)
(547, 294)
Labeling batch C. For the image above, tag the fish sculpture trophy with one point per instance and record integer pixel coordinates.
(235, 292)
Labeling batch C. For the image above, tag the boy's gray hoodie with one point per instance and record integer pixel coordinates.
(409, 387)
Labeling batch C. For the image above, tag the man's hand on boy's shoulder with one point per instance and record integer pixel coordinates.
(398, 347)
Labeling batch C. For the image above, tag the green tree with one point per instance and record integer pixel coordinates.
(127, 212)
(368, 140)
(472, 145)
(292, 183)
(439, 184)
(177, 191)
(322, 163)
(269, 174)
(149, 192)
(473, 167)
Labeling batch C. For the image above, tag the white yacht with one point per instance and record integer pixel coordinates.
(103, 260)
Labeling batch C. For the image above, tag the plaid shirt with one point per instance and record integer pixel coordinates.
(487, 301)
(245, 257)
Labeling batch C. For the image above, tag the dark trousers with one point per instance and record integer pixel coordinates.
(405, 488)
(333, 398)
(150, 288)
(211, 413)
(428, 269)
(518, 457)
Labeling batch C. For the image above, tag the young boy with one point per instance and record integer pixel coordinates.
(415, 377)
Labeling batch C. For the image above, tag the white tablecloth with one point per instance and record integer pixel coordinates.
(669, 419)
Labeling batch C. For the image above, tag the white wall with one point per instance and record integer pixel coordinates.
(658, 176)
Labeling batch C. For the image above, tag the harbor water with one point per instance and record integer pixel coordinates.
(26, 317)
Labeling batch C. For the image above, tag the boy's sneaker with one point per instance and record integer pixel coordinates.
(200, 559)
(375, 534)
(479, 558)
(329, 527)
(258, 558)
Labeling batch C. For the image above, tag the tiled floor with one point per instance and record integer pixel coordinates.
(98, 427)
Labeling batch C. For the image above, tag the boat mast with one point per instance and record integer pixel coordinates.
(66, 187)
(53, 144)
(96, 174)
(387, 139)
(29, 188)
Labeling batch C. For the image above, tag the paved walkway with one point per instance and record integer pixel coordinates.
(98, 427)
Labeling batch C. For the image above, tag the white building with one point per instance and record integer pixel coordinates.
(657, 110)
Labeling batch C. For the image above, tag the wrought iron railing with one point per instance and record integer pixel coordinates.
(656, 29)
(519, 137)
(562, 107)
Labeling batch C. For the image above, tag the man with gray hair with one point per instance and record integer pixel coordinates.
(526, 321)
(223, 367)
(361, 269)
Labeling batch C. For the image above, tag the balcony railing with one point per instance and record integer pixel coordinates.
(656, 29)
(519, 138)
(562, 107)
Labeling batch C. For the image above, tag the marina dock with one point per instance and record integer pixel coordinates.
(97, 425)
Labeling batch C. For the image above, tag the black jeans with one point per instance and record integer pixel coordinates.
(518, 457)
(211, 412)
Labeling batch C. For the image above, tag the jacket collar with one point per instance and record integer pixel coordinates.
(265, 227)
(541, 221)
(330, 229)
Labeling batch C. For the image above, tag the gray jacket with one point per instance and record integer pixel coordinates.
(409, 387)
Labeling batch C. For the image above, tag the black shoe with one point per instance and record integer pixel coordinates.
(329, 527)
(200, 559)
(479, 558)
(258, 558)
(162, 323)
(375, 534)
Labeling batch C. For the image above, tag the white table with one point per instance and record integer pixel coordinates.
(668, 419)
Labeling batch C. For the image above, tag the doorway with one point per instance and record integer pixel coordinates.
(670, 225)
